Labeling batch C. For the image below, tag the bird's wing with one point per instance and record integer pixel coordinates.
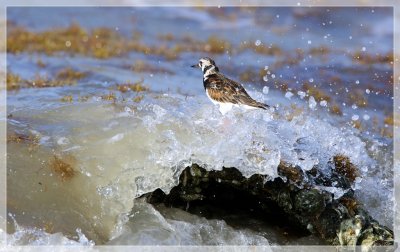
(223, 89)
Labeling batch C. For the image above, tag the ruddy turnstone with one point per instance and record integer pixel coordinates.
(224, 91)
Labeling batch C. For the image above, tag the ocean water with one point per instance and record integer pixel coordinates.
(114, 150)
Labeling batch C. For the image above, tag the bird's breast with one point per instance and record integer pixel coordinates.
(209, 97)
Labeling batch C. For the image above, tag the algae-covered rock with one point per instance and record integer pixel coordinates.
(296, 197)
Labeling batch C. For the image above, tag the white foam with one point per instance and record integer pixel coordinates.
(148, 227)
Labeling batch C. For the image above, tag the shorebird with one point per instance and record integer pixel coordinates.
(223, 91)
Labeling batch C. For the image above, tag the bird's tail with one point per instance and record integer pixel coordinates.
(255, 104)
(261, 105)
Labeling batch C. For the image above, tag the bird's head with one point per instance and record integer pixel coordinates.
(206, 64)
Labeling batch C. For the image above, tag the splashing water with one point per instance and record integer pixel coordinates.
(121, 156)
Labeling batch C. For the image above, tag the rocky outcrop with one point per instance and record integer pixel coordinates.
(300, 198)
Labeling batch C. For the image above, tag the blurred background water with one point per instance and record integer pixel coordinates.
(103, 106)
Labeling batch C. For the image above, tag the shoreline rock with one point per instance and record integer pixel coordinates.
(298, 198)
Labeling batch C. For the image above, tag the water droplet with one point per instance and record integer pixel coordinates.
(367, 91)
(355, 117)
(354, 106)
(289, 95)
(311, 102)
(258, 42)
(366, 117)
(309, 42)
(265, 78)
(311, 80)
(357, 82)
(266, 68)
(273, 76)
(323, 103)
(301, 94)
(265, 90)
(363, 48)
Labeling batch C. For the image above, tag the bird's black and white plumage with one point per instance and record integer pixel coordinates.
(224, 91)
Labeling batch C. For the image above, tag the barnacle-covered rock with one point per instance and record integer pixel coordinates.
(350, 230)
(296, 197)
(375, 234)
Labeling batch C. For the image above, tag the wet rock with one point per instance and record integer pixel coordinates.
(293, 173)
(375, 235)
(328, 223)
(350, 230)
(295, 198)
(345, 168)
(309, 202)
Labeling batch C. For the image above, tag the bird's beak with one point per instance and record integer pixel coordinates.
(196, 66)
